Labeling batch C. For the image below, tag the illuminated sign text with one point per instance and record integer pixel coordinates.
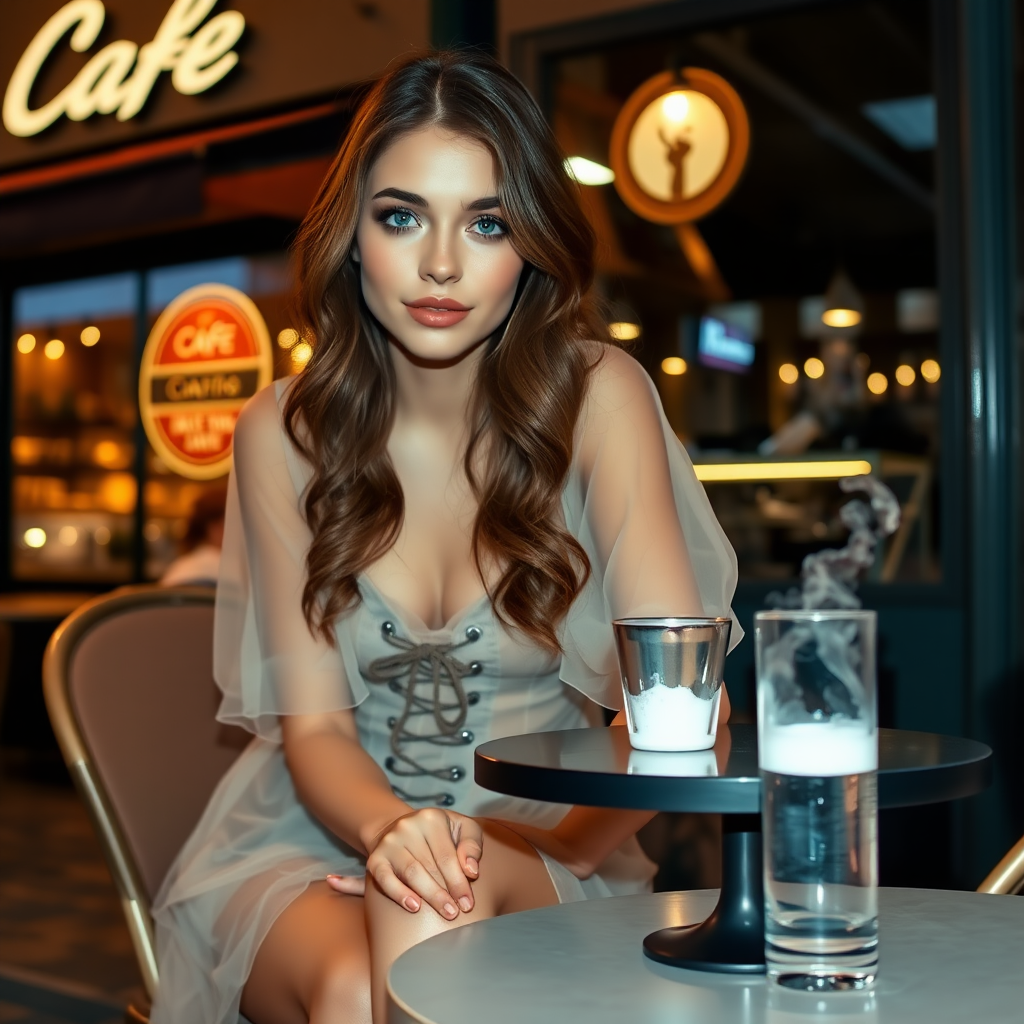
(119, 78)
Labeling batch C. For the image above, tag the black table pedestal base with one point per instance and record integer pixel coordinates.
(731, 940)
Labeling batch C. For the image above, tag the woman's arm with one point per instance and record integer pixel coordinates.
(413, 855)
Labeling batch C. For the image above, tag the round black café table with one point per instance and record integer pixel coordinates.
(599, 768)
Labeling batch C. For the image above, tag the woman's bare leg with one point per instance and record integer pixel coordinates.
(512, 878)
(314, 964)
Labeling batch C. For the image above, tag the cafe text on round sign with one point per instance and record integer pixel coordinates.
(208, 353)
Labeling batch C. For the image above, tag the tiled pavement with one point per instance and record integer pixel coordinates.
(65, 954)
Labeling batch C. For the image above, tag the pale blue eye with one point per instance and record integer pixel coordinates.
(489, 227)
(400, 219)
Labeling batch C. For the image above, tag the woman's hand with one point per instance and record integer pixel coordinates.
(428, 856)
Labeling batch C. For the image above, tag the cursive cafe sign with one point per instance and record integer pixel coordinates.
(119, 78)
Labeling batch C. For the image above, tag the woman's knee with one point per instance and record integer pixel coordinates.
(341, 991)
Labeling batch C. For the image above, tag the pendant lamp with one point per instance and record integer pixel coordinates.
(844, 305)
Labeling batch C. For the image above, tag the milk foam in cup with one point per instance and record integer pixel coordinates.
(671, 671)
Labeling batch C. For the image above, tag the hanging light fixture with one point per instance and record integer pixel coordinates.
(844, 305)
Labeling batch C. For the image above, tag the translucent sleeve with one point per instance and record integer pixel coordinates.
(635, 505)
(266, 661)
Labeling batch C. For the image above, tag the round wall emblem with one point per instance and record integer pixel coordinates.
(207, 354)
(679, 145)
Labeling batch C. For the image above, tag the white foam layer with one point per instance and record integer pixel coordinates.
(818, 748)
(671, 718)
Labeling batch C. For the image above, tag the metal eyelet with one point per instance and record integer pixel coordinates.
(472, 698)
(456, 773)
(388, 628)
(445, 800)
(473, 633)
(392, 722)
(389, 763)
(395, 686)
(467, 736)
(475, 668)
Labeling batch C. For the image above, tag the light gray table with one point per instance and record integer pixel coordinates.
(944, 958)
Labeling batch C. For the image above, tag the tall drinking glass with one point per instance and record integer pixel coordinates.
(818, 754)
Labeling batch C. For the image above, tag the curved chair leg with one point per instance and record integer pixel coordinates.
(1007, 877)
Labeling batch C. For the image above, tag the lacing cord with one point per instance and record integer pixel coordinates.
(412, 666)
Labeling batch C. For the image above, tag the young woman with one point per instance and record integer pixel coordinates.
(428, 533)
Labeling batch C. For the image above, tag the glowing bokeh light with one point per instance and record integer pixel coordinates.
(905, 375)
(788, 373)
(53, 349)
(814, 368)
(931, 371)
(624, 331)
(34, 537)
(301, 353)
(674, 366)
(288, 337)
(877, 383)
(89, 336)
(841, 318)
(26, 343)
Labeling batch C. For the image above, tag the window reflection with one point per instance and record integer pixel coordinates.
(798, 321)
(72, 449)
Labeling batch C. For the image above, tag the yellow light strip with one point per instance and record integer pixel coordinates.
(732, 472)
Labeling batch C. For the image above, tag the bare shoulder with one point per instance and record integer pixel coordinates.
(619, 386)
(621, 404)
(260, 423)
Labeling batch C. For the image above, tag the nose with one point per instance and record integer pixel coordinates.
(440, 262)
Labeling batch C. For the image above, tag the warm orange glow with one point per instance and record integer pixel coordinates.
(26, 343)
(673, 366)
(788, 373)
(877, 383)
(814, 368)
(931, 371)
(623, 331)
(53, 349)
(34, 537)
(905, 375)
(110, 455)
(89, 336)
(301, 354)
(288, 337)
(840, 318)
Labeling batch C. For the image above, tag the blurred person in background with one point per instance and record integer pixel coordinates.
(199, 563)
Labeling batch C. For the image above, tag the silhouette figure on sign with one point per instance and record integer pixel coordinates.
(675, 154)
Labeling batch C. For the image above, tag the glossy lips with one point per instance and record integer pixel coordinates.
(434, 312)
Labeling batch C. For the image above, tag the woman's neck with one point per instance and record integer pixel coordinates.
(438, 393)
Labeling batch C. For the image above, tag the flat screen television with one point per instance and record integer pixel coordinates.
(723, 346)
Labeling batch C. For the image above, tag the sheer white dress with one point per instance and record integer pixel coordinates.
(640, 514)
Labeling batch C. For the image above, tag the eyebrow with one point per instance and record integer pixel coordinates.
(486, 203)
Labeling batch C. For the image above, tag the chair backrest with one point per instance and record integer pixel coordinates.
(130, 692)
(1007, 877)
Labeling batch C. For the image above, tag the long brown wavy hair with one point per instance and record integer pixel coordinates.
(532, 379)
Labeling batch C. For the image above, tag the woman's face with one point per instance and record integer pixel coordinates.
(438, 268)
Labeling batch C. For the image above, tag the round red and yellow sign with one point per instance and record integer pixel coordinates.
(208, 353)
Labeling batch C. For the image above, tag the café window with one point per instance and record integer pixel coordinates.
(77, 480)
(792, 329)
(73, 444)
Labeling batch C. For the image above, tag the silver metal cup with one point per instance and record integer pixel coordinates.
(671, 679)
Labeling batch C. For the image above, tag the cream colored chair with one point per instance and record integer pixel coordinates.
(129, 687)
(1007, 877)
